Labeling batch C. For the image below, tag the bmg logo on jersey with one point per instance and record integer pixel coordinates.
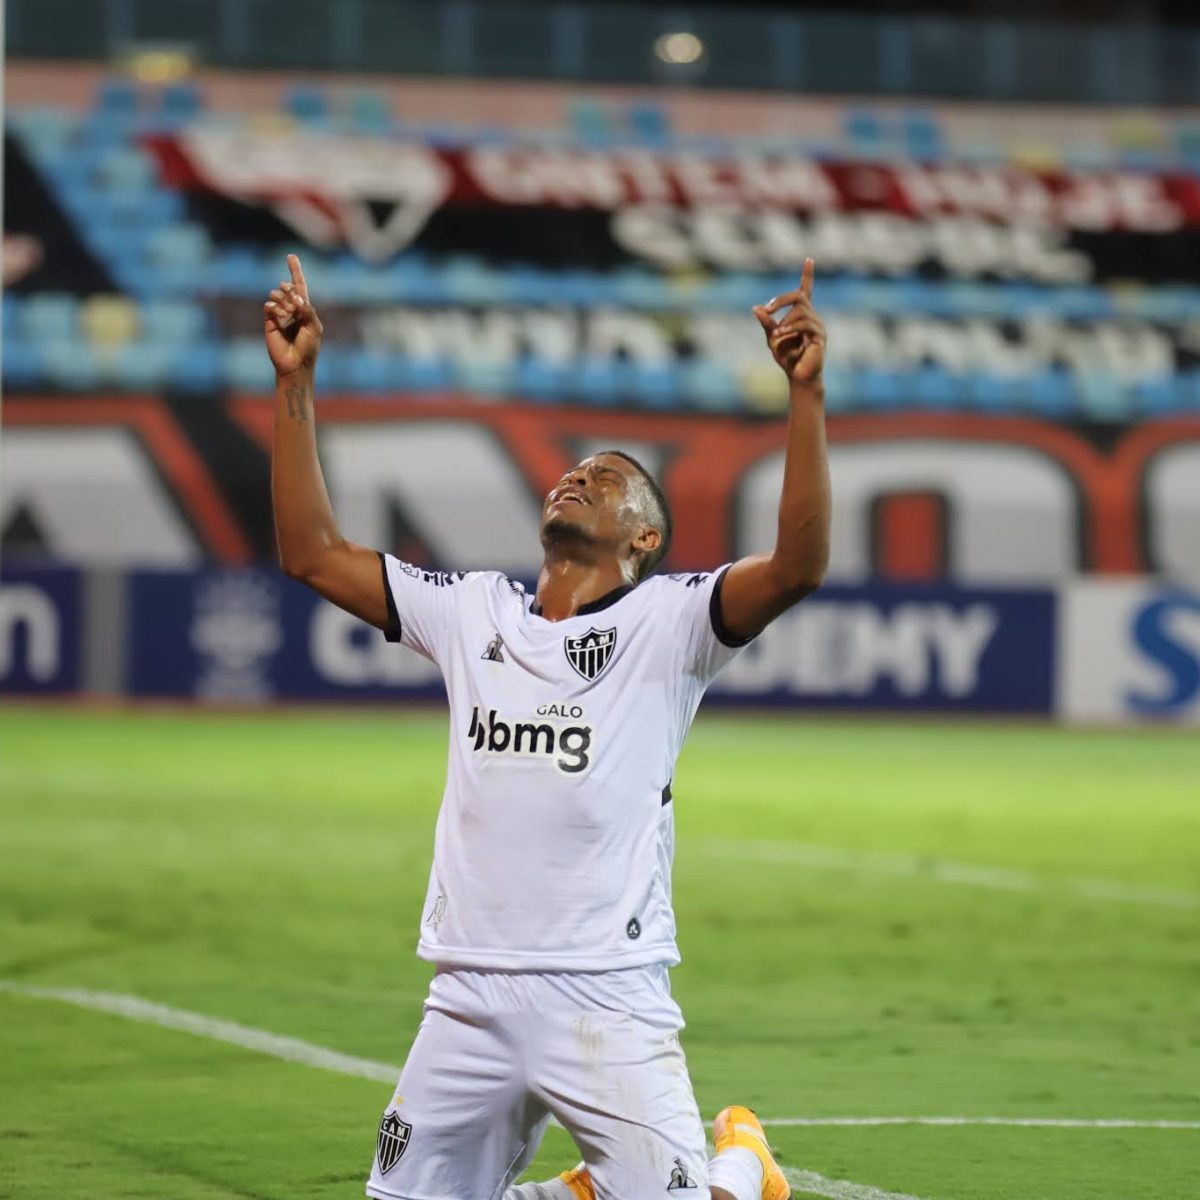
(568, 746)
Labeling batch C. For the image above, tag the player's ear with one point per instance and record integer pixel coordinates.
(645, 544)
(648, 540)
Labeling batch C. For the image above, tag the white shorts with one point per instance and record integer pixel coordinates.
(499, 1053)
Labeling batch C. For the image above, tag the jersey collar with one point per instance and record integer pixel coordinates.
(592, 606)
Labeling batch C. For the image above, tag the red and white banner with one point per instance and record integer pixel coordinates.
(445, 482)
(754, 211)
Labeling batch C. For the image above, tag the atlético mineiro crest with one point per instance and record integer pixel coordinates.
(590, 653)
(393, 1141)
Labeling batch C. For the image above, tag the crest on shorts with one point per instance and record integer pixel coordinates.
(393, 1141)
(590, 653)
(680, 1178)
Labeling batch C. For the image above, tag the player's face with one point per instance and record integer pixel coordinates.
(597, 499)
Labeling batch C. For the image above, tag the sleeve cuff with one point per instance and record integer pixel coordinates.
(392, 630)
(716, 616)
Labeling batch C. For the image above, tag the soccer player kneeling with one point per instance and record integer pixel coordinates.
(548, 912)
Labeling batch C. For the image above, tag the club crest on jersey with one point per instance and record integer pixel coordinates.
(589, 654)
(393, 1141)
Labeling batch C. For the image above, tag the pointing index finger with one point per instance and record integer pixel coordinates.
(806, 280)
(293, 262)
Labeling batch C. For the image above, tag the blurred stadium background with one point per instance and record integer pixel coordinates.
(533, 229)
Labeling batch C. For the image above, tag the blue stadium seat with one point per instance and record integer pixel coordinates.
(10, 309)
(197, 367)
(127, 168)
(864, 130)
(446, 137)
(1189, 390)
(50, 316)
(247, 367)
(1159, 397)
(708, 384)
(79, 198)
(657, 386)
(181, 101)
(589, 121)
(937, 388)
(374, 371)
(171, 321)
(240, 271)
(375, 284)
(491, 135)
(116, 97)
(882, 389)
(307, 103)
(117, 243)
(150, 209)
(1187, 146)
(540, 381)
(638, 288)
(649, 123)
(335, 366)
(1083, 303)
(483, 378)
(139, 366)
(143, 281)
(922, 136)
(840, 393)
(595, 382)
(181, 255)
(425, 375)
(471, 281)
(23, 366)
(577, 287)
(1167, 304)
(532, 285)
(46, 132)
(1101, 397)
(993, 392)
(370, 112)
(1052, 393)
(104, 130)
(69, 364)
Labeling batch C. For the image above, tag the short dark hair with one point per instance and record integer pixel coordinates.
(659, 515)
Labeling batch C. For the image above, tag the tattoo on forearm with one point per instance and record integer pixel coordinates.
(299, 403)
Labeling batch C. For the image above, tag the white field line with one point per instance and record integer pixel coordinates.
(148, 1013)
(134, 1008)
(937, 870)
(839, 1189)
(976, 1122)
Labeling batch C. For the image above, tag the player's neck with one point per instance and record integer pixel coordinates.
(565, 584)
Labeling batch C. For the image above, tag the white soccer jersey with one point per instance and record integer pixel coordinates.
(556, 833)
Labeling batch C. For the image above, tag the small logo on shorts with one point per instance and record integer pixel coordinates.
(437, 912)
(633, 930)
(393, 1141)
(680, 1178)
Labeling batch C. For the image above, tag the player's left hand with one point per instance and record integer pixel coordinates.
(292, 329)
(797, 340)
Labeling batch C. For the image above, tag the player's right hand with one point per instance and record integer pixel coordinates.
(293, 330)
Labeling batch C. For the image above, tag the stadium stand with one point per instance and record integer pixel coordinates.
(1077, 305)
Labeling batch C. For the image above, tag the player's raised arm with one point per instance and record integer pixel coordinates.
(310, 547)
(757, 589)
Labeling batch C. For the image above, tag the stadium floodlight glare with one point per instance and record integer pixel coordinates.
(678, 48)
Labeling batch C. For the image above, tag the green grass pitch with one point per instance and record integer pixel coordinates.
(269, 869)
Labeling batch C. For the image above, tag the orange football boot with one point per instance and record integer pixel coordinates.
(738, 1126)
(580, 1183)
